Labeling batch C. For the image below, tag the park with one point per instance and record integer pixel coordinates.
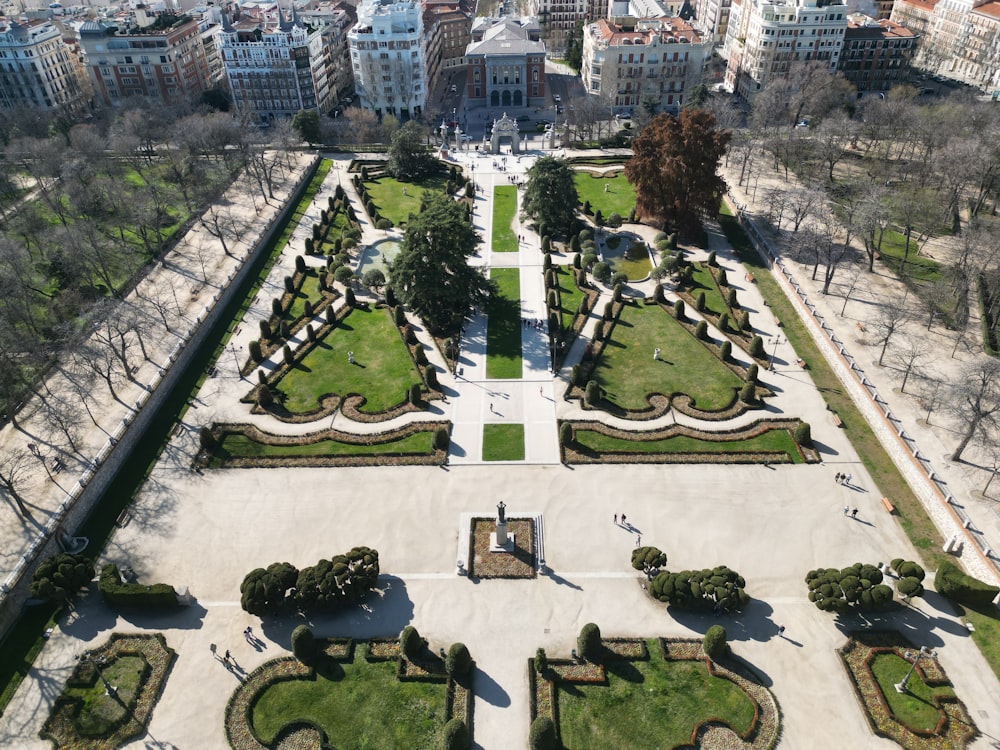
(459, 424)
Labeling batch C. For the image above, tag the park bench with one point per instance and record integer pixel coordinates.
(887, 504)
(837, 422)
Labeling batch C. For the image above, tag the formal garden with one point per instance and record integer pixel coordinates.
(503, 442)
(619, 198)
(505, 239)
(503, 332)
(649, 693)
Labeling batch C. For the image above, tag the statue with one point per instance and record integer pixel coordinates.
(501, 515)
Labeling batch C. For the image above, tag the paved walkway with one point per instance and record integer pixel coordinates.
(772, 524)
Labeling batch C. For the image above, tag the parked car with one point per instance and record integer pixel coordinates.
(556, 98)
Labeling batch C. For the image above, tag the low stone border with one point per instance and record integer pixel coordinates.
(158, 657)
(305, 735)
(710, 734)
(485, 564)
(955, 727)
(573, 455)
(435, 458)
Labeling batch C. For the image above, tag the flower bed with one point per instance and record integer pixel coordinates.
(429, 668)
(955, 728)
(576, 454)
(382, 649)
(517, 564)
(375, 458)
(61, 727)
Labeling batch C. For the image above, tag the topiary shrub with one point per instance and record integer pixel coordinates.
(599, 330)
(586, 207)
(276, 308)
(907, 569)
(541, 662)
(456, 735)
(588, 643)
(745, 321)
(255, 351)
(724, 322)
(331, 314)
(602, 272)
(837, 589)
(265, 330)
(303, 644)
(614, 219)
(390, 297)
(343, 275)
(546, 262)
(383, 224)
(458, 662)
(719, 587)
(289, 284)
(265, 399)
(552, 300)
(546, 245)
(752, 373)
(300, 264)
(711, 259)
(577, 261)
(701, 330)
(410, 643)
(592, 393)
(699, 302)
(263, 591)
(430, 375)
(118, 594)
(307, 308)
(414, 395)
(310, 332)
(748, 394)
(420, 356)
(585, 235)
(714, 644)
(756, 348)
(721, 279)
(284, 329)
(60, 576)
(542, 735)
(618, 280)
(644, 558)
(725, 351)
(349, 299)
(599, 218)
(953, 583)
(679, 309)
(287, 355)
(803, 434)
(731, 299)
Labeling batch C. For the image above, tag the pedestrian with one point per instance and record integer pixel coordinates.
(837, 477)
(623, 519)
(781, 631)
(656, 354)
(847, 479)
(854, 513)
(541, 392)
(491, 409)
(638, 540)
(225, 659)
(350, 357)
(616, 519)
(248, 634)
(847, 509)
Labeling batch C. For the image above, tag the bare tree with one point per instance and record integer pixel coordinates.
(15, 468)
(974, 400)
(221, 222)
(802, 203)
(102, 361)
(888, 322)
(909, 358)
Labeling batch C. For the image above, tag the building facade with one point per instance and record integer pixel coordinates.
(453, 26)
(275, 68)
(505, 64)
(876, 54)
(388, 57)
(37, 68)
(766, 37)
(160, 58)
(649, 61)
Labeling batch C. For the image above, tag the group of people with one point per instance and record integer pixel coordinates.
(536, 323)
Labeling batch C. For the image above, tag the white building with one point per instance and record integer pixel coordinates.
(648, 61)
(275, 67)
(37, 69)
(389, 57)
(765, 37)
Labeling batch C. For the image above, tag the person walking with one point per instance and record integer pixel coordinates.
(854, 513)
(847, 479)
(781, 631)
(847, 509)
(226, 658)
(623, 519)
(616, 519)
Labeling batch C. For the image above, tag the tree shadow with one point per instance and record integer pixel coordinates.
(489, 689)
(754, 623)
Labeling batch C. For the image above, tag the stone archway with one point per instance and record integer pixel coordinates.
(505, 128)
(518, 99)
(505, 100)
(495, 99)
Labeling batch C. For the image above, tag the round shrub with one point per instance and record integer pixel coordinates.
(614, 219)
(349, 243)
(303, 644)
(588, 643)
(588, 260)
(410, 643)
(910, 587)
(701, 330)
(441, 439)
(714, 643)
(542, 735)
(803, 434)
(255, 353)
(586, 234)
(566, 433)
(383, 223)
(458, 662)
(456, 735)
(602, 272)
(618, 280)
(343, 275)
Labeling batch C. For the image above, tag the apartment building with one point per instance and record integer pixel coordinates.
(275, 67)
(158, 57)
(38, 69)
(506, 64)
(559, 18)
(876, 54)
(388, 57)
(766, 37)
(454, 30)
(648, 61)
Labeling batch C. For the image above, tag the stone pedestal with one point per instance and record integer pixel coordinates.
(500, 540)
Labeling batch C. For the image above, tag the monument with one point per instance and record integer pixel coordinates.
(505, 128)
(500, 540)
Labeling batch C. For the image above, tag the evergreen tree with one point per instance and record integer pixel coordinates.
(550, 197)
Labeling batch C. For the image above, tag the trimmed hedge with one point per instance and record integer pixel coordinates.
(120, 594)
(951, 582)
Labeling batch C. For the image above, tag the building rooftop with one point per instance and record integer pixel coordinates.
(989, 9)
(924, 5)
(860, 26)
(642, 31)
(507, 36)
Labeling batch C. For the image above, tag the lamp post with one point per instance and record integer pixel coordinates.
(86, 658)
(774, 350)
(236, 360)
(924, 651)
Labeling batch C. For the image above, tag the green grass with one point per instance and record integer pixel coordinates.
(100, 713)
(914, 708)
(308, 291)
(918, 267)
(358, 704)
(619, 199)
(773, 440)
(235, 445)
(569, 295)
(503, 333)
(387, 192)
(648, 705)
(382, 373)
(340, 223)
(627, 371)
(703, 282)
(504, 208)
(503, 442)
(635, 270)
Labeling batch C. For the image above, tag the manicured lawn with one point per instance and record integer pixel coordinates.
(308, 291)
(628, 372)
(503, 334)
(236, 445)
(914, 708)
(635, 270)
(703, 282)
(387, 192)
(359, 705)
(382, 373)
(774, 440)
(648, 705)
(101, 713)
(503, 442)
(917, 266)
(504, 208)
(619, 199)
(340, 223)
(569, 294)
